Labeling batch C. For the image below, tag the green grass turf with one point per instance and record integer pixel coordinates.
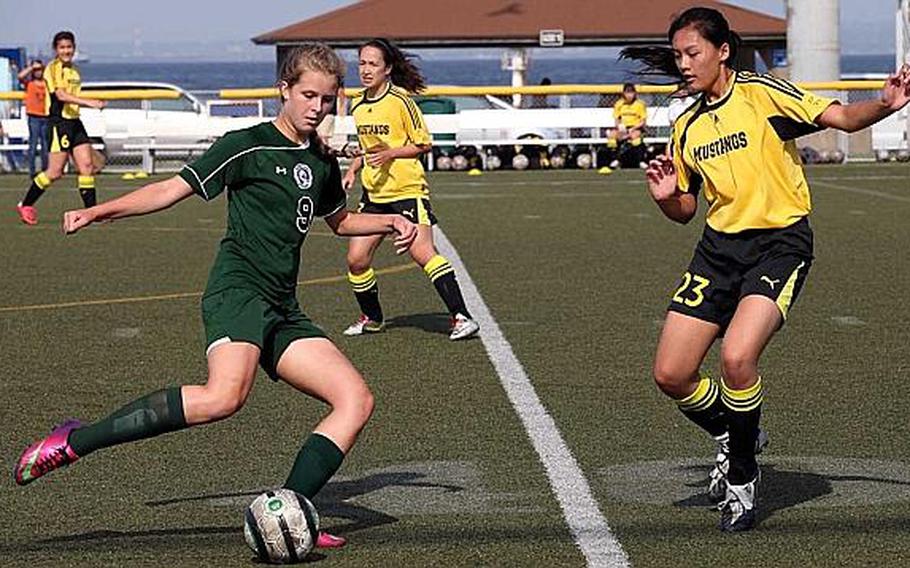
(577, 269)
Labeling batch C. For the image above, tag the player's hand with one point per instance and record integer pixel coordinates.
(98, 104)
(349, 151)
(75, 220)
(405, 233)
(380, 158)
(661, 176)
(347, 182)
(896, 92)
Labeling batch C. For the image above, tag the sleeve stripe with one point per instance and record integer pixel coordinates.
(414, 117)
(757, 81)
(780, 82)
(196, 175)
(247, 151)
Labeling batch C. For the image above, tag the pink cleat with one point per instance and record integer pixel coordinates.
(46, 455)
(28, 214)
(326, 540)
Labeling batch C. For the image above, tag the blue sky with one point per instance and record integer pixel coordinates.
(181, 29)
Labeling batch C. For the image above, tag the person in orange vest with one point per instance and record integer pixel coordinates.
(32, 78)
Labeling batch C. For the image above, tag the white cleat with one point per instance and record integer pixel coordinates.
(737, 511)
(463, 327)
(364, 325)
(717, 479)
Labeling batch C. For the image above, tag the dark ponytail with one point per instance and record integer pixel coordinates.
(405, 73)
(659, 60)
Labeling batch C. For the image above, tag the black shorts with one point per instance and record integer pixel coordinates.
(726, 268)
(417, 209)
(64, 134)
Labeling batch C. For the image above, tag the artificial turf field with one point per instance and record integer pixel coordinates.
(577, 270)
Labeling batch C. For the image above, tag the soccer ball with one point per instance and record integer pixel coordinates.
(459, 163)
(494, 162)
(520, 162)
(583, 161)
(557, 161)
(281, 526)
(443, 163)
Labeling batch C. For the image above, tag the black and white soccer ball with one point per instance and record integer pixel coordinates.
(281, 526)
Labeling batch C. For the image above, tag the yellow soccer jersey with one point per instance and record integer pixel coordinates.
(629, 114)
(66, 77)
(391, 120)
(740, 151)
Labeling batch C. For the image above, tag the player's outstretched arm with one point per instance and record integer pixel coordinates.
(347, 224)
(147, 199)
(81, 101)
(856, 116)
(677, 205)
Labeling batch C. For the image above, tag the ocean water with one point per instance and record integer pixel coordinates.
(201, 76)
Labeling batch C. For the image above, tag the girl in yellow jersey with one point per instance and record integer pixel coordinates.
(736, 145)
(65, 133)
(392, 136)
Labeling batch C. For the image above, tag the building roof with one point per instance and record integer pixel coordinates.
(494, 23)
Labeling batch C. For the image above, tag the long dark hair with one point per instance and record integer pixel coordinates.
(405, 73)
(659, 60)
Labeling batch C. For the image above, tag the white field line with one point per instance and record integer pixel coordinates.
(582, 514)
(872, 192)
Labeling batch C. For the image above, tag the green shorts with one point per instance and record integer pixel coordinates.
(240, 314)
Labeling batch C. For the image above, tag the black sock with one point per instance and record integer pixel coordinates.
(743, 416)
(366, 290)
(441, 273)
(87, 190)
(704, 408)
(39, 183)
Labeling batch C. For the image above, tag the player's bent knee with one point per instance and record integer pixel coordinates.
(224, 406)
(358, 264)
(357, 405)
(671, 380)
(221, 403)
(739, 368)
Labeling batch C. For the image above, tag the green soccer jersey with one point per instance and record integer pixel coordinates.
(275, 188)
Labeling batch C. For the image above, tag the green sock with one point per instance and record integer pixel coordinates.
(149, 416)
(317, 461)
